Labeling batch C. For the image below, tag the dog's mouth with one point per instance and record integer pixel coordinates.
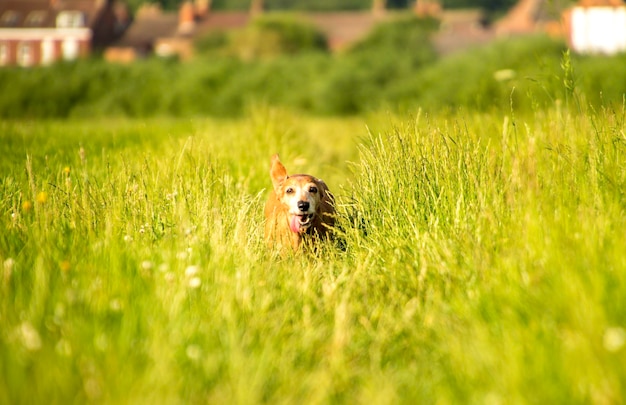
(300, 223)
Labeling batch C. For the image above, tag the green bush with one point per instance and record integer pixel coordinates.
(602, 78)
(522, 72)
(395, 68)
(275, 35)
(409, 35)
(213, 42)
(359, 80)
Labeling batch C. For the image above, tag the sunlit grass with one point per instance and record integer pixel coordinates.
(481, 260)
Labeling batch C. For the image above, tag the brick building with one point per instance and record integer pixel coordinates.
(39, 32)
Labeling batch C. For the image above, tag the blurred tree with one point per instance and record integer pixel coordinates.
(165, 4)
(267, 37)
(256, 6)
(495, 6)
(399, 3)
(134, 4)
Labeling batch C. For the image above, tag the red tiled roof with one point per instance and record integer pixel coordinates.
(222, 21)
(226, 20)
(43, 13)
(146, 29)
(149, 26)
(345, 28)
(600, 3)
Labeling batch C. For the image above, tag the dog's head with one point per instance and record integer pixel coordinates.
(304, 197)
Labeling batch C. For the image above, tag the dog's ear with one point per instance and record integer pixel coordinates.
(278, 173)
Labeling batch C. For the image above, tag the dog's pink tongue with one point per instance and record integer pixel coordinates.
(294, 224)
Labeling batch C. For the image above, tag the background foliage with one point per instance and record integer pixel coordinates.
(281, 62)
(264, 38)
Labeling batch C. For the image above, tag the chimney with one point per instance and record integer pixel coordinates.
(256, 7)
(186, 18)
(378, 7)
(203, 7)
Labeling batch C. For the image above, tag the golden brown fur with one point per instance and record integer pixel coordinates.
(299, 207)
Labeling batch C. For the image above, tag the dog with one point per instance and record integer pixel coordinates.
(299, 208)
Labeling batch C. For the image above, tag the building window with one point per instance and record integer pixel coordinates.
(4, 53)
(36, 18)
(25, 54)
(70, 49)
(9, 18)
(47, 51)
(70, 19)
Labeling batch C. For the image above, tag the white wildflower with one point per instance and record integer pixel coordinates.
(8, 264)
(144, 228)
(195, 282)
(30, 336)
(170, 277)
(194, 352)
(115, 304)
(614, 339)
(504, 75)
(164, 267)
(191, 271)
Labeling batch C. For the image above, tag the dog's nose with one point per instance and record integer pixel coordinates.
(303, 206)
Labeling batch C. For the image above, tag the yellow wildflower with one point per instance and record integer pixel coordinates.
(42, 197)
(65, 266)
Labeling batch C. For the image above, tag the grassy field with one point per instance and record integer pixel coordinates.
(481, 260)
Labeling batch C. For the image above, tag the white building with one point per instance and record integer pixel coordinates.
(598, 27)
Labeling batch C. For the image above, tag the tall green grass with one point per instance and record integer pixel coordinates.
(481, 259)
(503, 239)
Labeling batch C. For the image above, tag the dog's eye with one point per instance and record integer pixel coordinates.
(289, 190)
(313, 190)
